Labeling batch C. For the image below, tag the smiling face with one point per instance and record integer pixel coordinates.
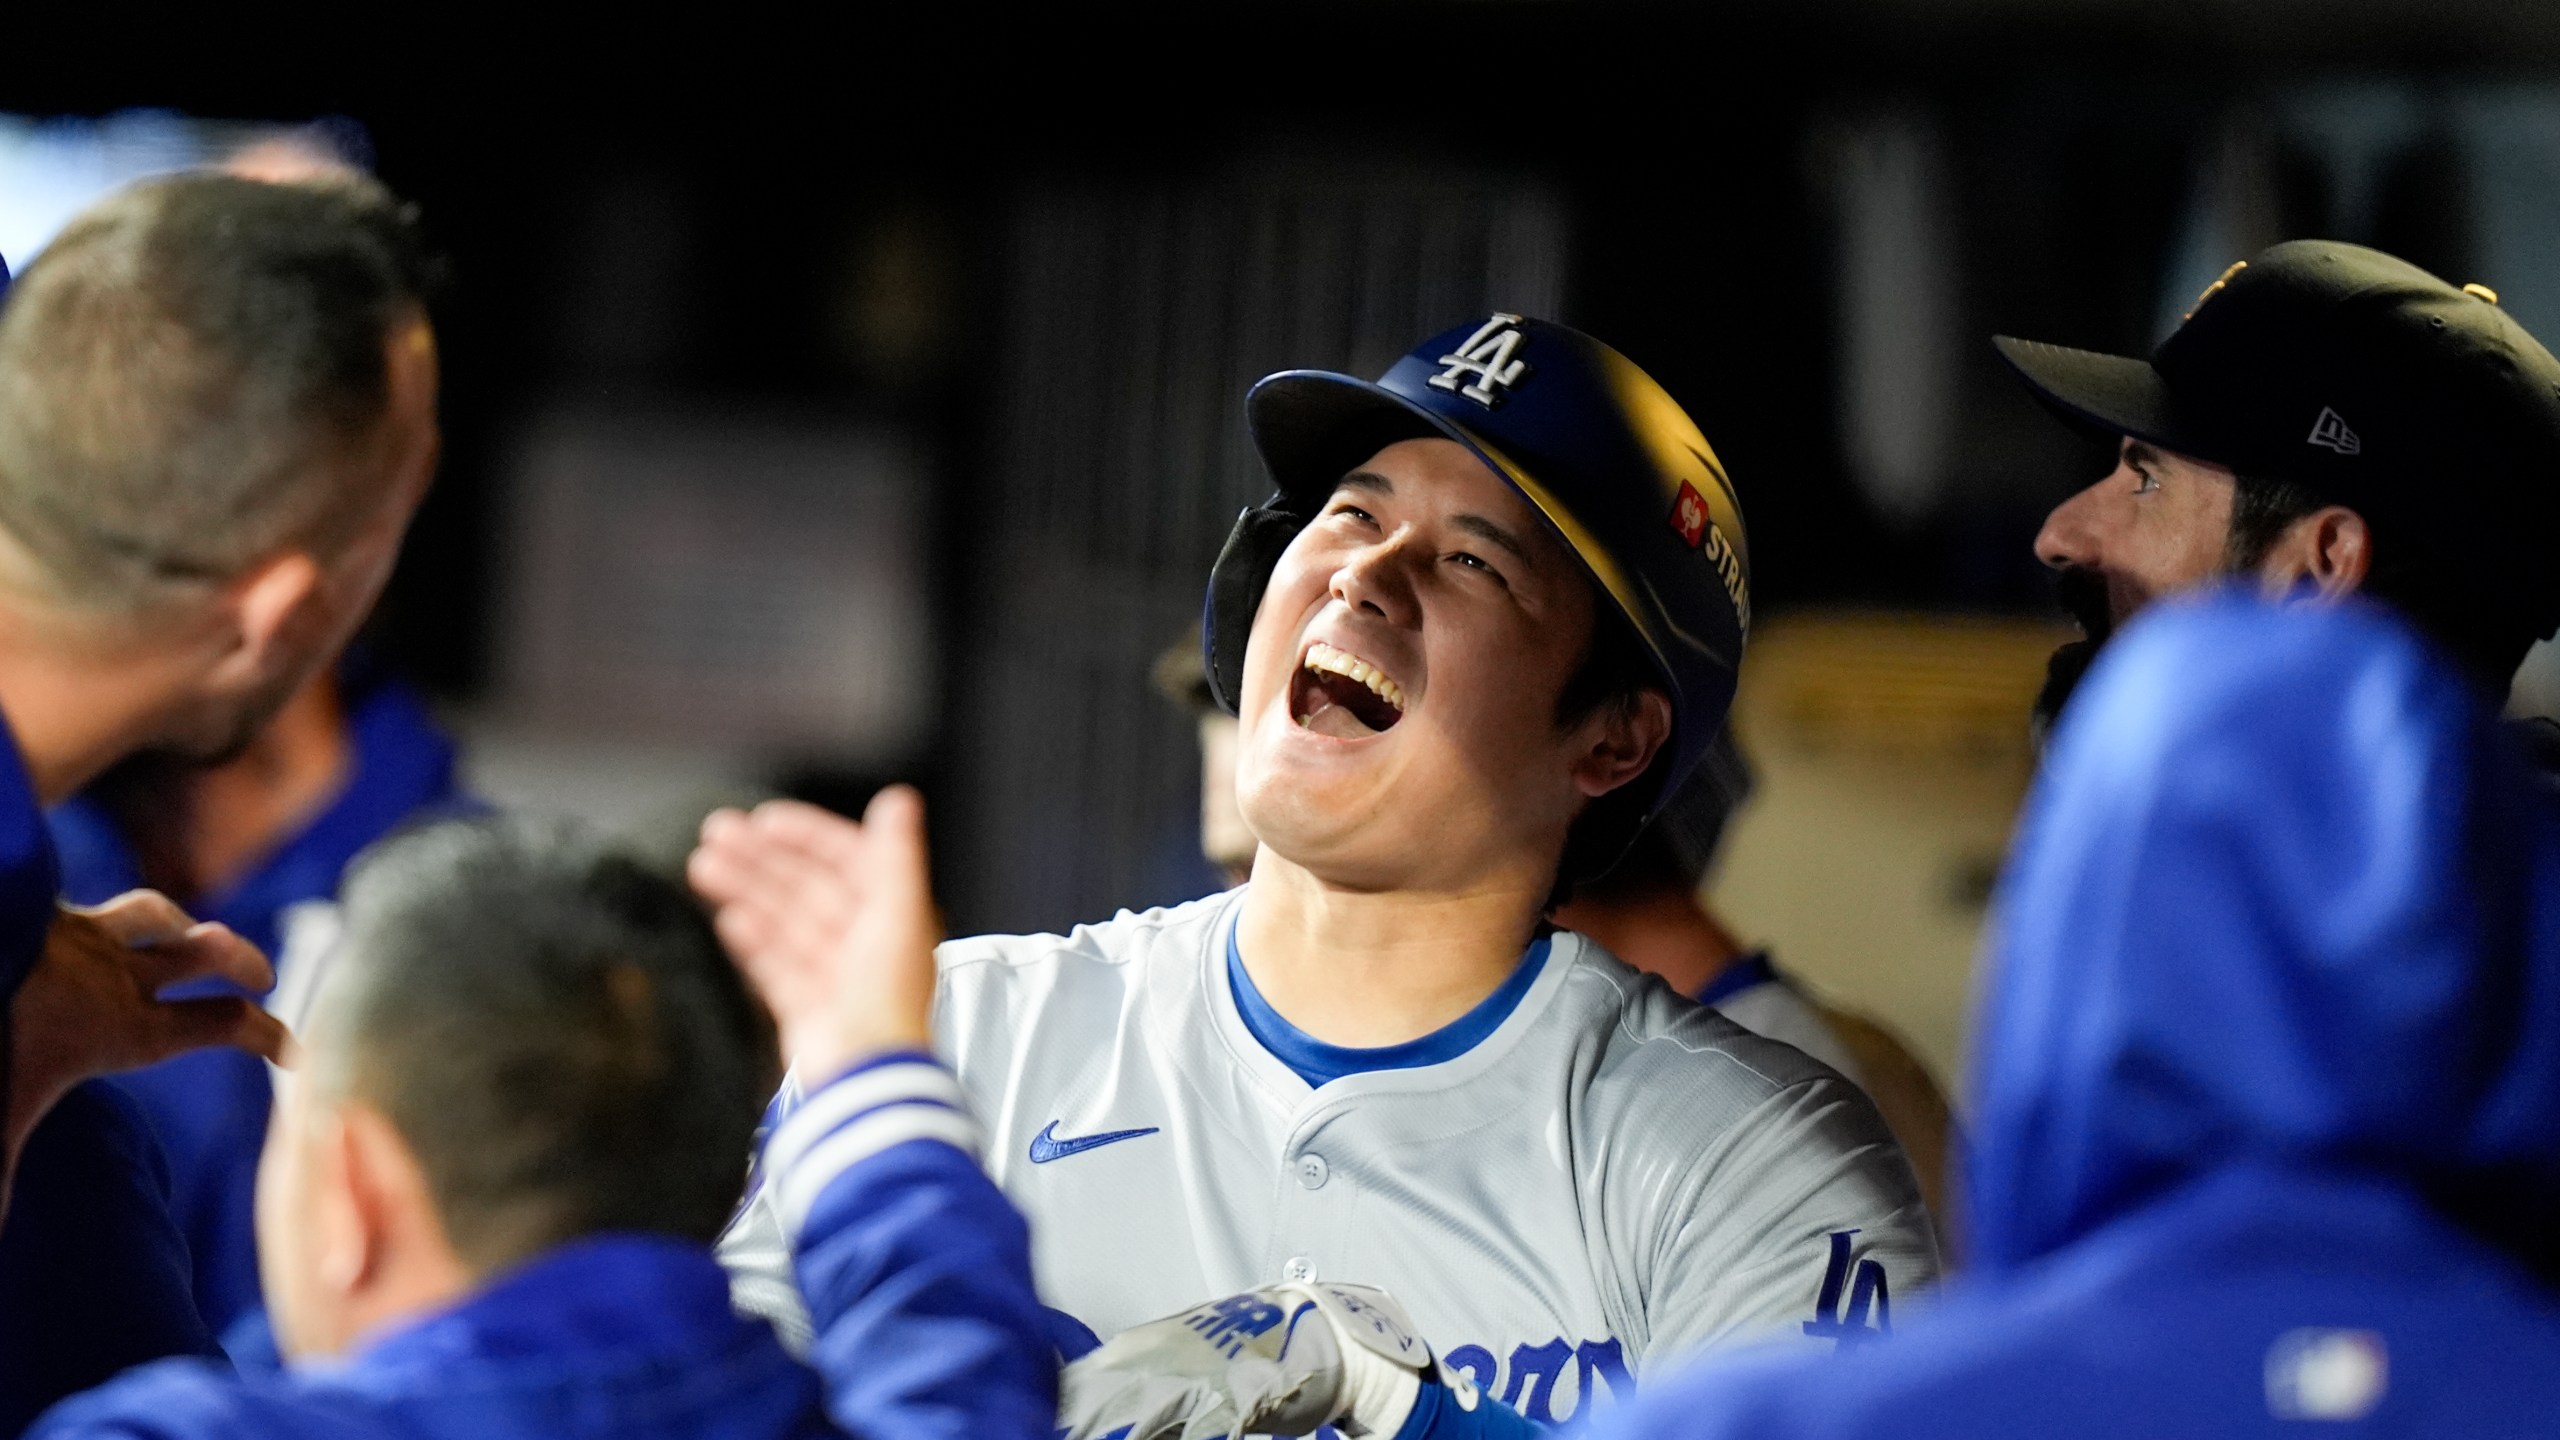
(1399, 717)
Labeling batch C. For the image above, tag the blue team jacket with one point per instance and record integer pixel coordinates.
(93, 1271)
(917, 1271)
(2266, 1111)
(30, 876)
(209, 1107)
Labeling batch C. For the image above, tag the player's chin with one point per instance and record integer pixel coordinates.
(1336, 836)
(1299, 771)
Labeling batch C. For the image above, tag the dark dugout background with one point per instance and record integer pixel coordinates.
(1045, 254)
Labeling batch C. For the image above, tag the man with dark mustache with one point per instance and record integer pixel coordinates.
(2328, 420)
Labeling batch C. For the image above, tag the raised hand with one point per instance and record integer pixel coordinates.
(92, 1004)
(832, 921)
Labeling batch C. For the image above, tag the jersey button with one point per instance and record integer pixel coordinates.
(1313, 1172)
(1298, 1268)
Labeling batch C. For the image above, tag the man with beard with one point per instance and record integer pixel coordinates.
(2265, 1115)
(217, 413)
(2328, 420)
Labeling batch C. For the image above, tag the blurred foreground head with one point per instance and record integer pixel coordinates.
(522, 1039)
(217, 413)
(2266, 1101)
(2286, 897)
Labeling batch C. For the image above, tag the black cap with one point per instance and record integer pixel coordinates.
(2416, 402)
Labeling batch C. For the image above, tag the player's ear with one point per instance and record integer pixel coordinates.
(338, 1242)
(270, 616)
(2328, 552)
(390, 1218)
(1620, 742)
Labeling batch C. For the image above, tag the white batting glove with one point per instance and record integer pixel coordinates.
(1282, 1360)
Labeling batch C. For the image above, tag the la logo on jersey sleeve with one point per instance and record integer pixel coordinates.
(1869, 1313)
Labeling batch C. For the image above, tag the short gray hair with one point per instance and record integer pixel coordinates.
(177, 367)
(553, 1028)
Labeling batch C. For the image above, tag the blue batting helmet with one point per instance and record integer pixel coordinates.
(1616, 467)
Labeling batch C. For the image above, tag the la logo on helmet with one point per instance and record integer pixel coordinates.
(1488, 356)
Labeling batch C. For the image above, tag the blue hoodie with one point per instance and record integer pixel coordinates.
(2267, 1104)
(918, 1276)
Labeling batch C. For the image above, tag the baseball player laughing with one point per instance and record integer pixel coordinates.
(1450, 1168)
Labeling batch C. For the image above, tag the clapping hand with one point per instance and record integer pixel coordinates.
(833, 922)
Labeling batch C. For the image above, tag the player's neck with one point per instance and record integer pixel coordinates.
(1370, 968)
(197, 829)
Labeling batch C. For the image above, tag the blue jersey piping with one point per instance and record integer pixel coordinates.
(1317, 1063)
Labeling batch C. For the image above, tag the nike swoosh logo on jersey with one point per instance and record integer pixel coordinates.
(1046, 1146)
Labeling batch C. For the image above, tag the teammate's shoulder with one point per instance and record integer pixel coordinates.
(196, 1399)
(1657, 1031)
(1126, 938)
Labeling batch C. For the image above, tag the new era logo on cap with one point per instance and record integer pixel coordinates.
(2331, 433)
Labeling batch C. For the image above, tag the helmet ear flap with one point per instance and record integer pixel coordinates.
(1236, 584)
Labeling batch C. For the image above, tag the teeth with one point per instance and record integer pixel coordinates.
(1321, 656)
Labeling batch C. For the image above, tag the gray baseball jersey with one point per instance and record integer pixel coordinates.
(1611, 1178)
(1778, 1010)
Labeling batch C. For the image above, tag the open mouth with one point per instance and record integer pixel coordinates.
(2082, 594)
(1338, 694)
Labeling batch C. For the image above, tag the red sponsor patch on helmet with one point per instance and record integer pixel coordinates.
(1689, 515)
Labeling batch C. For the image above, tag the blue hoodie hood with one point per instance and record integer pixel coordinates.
(2284, 897)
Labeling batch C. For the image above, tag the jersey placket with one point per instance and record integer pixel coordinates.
(1312, 1199)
